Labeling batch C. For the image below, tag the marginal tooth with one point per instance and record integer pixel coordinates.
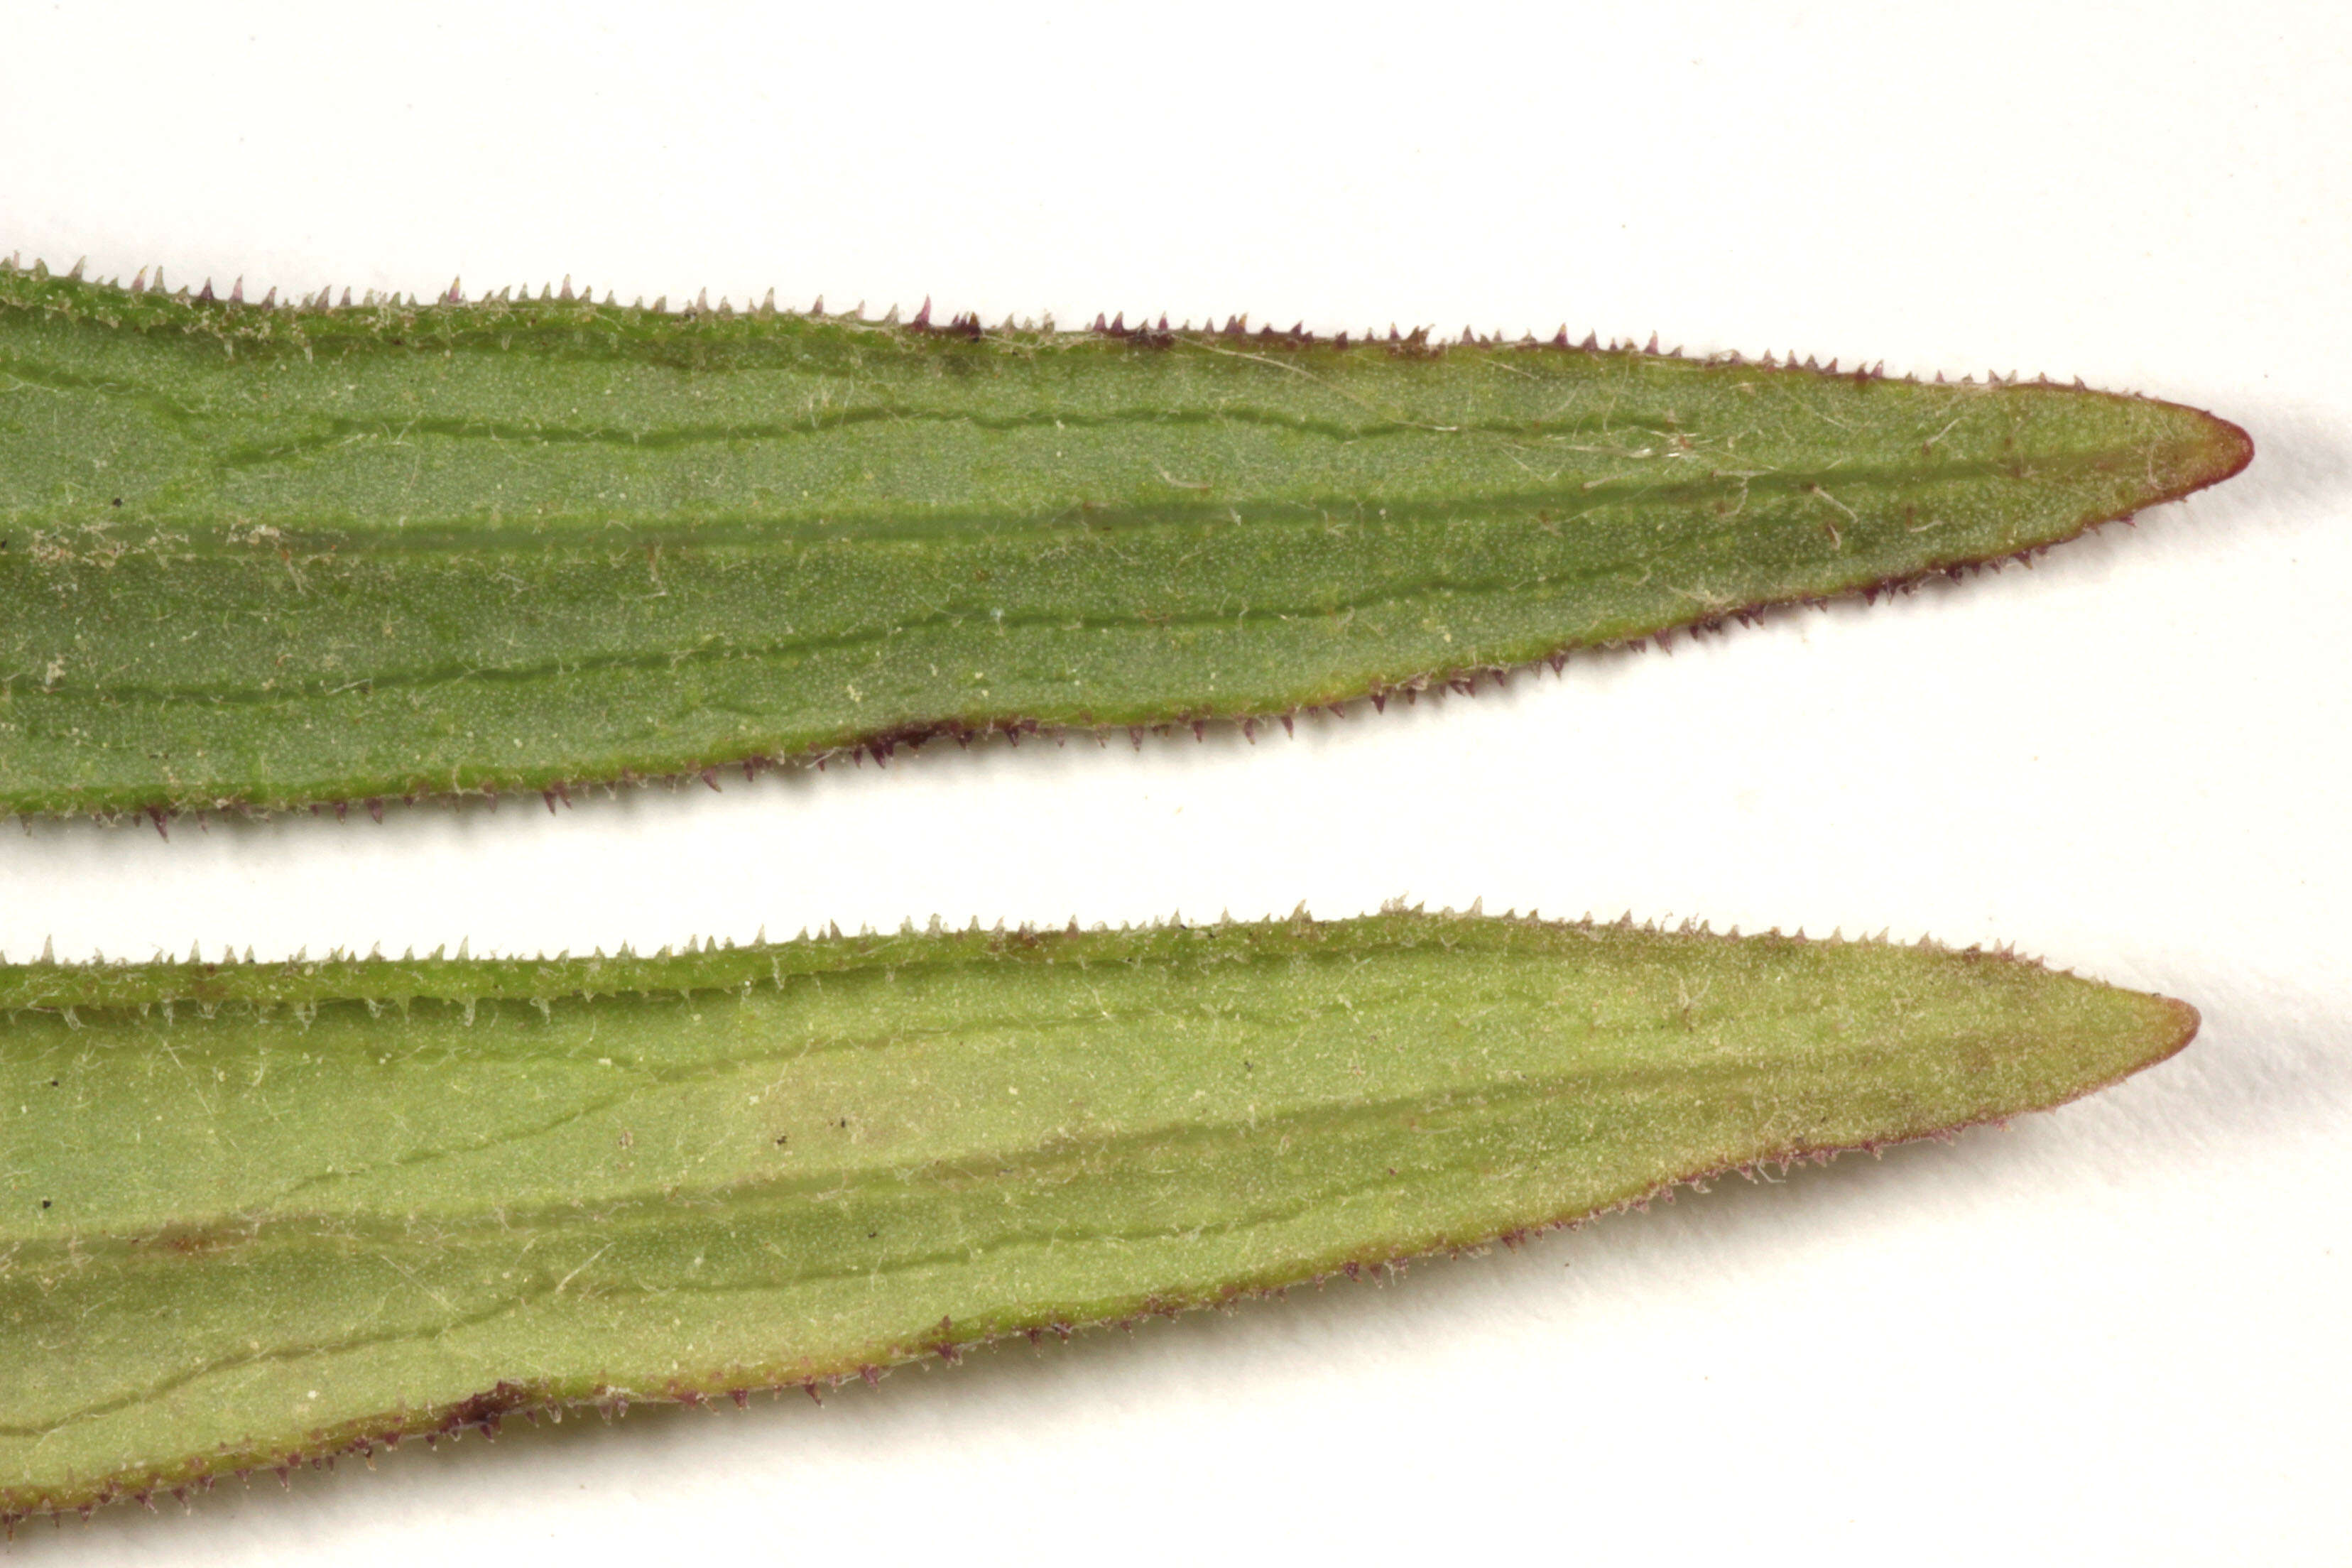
(566, 293)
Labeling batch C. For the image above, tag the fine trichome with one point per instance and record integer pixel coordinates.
(255, 1215)
(260, 555)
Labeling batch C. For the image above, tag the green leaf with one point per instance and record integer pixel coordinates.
(251, 1215)
(259, 556)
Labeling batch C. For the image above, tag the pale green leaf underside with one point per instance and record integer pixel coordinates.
(268, 557)
(249, 1212)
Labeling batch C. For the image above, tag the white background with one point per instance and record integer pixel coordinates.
(2117, 1328)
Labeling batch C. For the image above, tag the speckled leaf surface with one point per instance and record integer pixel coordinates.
(251, 1215)
(261, 555)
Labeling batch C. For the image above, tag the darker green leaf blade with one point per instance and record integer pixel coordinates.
(266, 557)
(255, 1214)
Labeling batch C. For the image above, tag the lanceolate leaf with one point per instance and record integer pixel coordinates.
(260, 555)
(251, 1215)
